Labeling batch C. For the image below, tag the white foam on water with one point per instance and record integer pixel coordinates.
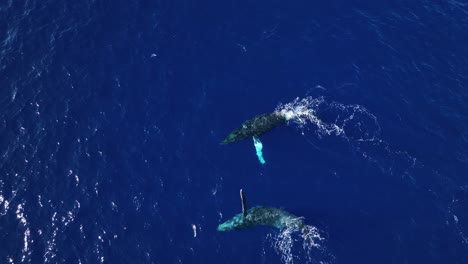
(13, 93)
(354, 124)
(114, 207)
(99, 246)
(27, 233)
(51, 246)
(194, 229)
(349, 121)
(305, 245)
(77, 180)
(20, 215)
(39, 201)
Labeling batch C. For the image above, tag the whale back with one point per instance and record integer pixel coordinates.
(255, 127)
(262, 215)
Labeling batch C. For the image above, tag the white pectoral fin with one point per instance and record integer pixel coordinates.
(258, 148)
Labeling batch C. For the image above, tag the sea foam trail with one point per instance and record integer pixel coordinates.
(296, 246)
(354, 124)
(350, 121)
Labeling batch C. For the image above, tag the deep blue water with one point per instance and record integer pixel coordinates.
(112, 113)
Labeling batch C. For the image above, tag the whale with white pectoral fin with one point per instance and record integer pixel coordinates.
(255, 127)
(268, 216)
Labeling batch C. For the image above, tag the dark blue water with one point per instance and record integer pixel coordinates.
(112, 113)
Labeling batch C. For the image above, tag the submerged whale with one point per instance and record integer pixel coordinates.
(262, 215)
(255, 127)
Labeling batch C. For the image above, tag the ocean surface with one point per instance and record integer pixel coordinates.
(111, 115)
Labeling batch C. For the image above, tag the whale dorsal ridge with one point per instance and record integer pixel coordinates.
(244, 203)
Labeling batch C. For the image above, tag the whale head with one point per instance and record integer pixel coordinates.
(230, 139)
(235, 223)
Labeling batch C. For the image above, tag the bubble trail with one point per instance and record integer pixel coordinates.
(353, 123)
(300, 245)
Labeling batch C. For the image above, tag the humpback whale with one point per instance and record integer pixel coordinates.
(266, 216)
(255, 127)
